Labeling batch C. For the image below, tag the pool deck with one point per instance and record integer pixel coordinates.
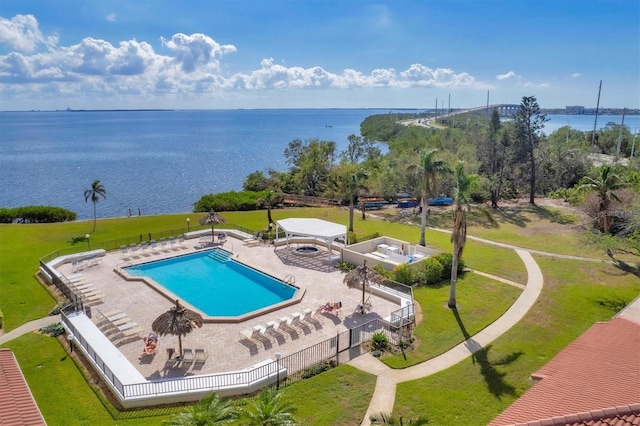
(226, 350)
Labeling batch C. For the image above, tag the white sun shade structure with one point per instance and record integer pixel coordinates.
(314, 228)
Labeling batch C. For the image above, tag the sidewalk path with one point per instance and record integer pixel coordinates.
(29, 327)
(384, 394)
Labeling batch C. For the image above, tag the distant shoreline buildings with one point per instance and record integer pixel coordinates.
(581, 110)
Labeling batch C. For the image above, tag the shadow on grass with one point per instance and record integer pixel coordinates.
(77, 240)
(628, 268)
(614, 305)
(511, 216)
(492, 377)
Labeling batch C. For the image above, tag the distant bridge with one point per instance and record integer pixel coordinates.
(503, 109)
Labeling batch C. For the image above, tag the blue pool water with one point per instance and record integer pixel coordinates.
(214, 287)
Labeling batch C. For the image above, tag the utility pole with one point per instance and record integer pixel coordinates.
(624, 111)
(487, 101)
(595, 122)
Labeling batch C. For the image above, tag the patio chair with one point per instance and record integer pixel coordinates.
(250, 334)
(144, 247)
(312, 317)
(187, 356)
(201, 355)
(172, 243)
(257, 240)
(163, 244)
(154, 247)
(77, 265)
(124, 253)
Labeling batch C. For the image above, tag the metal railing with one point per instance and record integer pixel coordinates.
(112, 245)
(298, 366)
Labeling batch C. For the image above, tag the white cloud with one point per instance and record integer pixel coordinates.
(194, 50)
(111, 18)
(576, 75)
(510, 74)
(186, 65)
(530, 85)
(22, 33)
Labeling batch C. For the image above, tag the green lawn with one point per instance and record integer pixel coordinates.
(575, 295)
(481, 301)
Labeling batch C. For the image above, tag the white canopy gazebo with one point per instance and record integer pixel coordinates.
(313, 228)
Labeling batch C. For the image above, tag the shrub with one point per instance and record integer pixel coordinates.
(380, 269)
(446, 260)
(36, 214)
(404, 274)
(379, 341)
(317, 368)
(430, 271)
(54, 330)
(230, 201)
(346, 266)
(1, 320)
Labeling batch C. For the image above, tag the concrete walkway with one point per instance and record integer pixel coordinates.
(29, 327)
(384, 394)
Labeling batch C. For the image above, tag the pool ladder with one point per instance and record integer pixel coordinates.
(290, 279)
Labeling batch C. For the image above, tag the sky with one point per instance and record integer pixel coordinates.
(213, 54)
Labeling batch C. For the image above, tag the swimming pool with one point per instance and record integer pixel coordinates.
(215, 284)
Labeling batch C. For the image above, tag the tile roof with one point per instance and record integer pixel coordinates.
(593, 381)
(17, 406)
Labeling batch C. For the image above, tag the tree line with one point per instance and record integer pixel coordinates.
(512, 159)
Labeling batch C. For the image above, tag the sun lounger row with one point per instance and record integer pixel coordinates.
(83, 289)
(153, 247)
(119, 324)
(193, 355)
(80, 264)
(278, 330)
(255, 240)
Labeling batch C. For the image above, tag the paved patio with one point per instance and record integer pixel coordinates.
(222, 341)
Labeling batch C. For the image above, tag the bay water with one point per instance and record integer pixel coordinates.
(156, 162)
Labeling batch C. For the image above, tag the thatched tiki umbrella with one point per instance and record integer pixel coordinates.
(212, 218)
(363, 276)
(177, 321)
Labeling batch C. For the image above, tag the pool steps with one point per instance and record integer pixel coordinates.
(220, 255)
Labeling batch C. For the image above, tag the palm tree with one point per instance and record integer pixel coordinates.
(210, 411)
(177, 321)
(269, 410)
(389, 419)
(429, 169)
(269, 201)
(465, 184)
(606, 182)
(212, 218)
(363, 275)
(355, 188)
(94, 193)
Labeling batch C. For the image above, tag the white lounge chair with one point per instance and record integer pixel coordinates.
(124, 253)
(256, 240)
(200, 355)
(127, 326)
(187, 356)
(172, 243)
(250, 334)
